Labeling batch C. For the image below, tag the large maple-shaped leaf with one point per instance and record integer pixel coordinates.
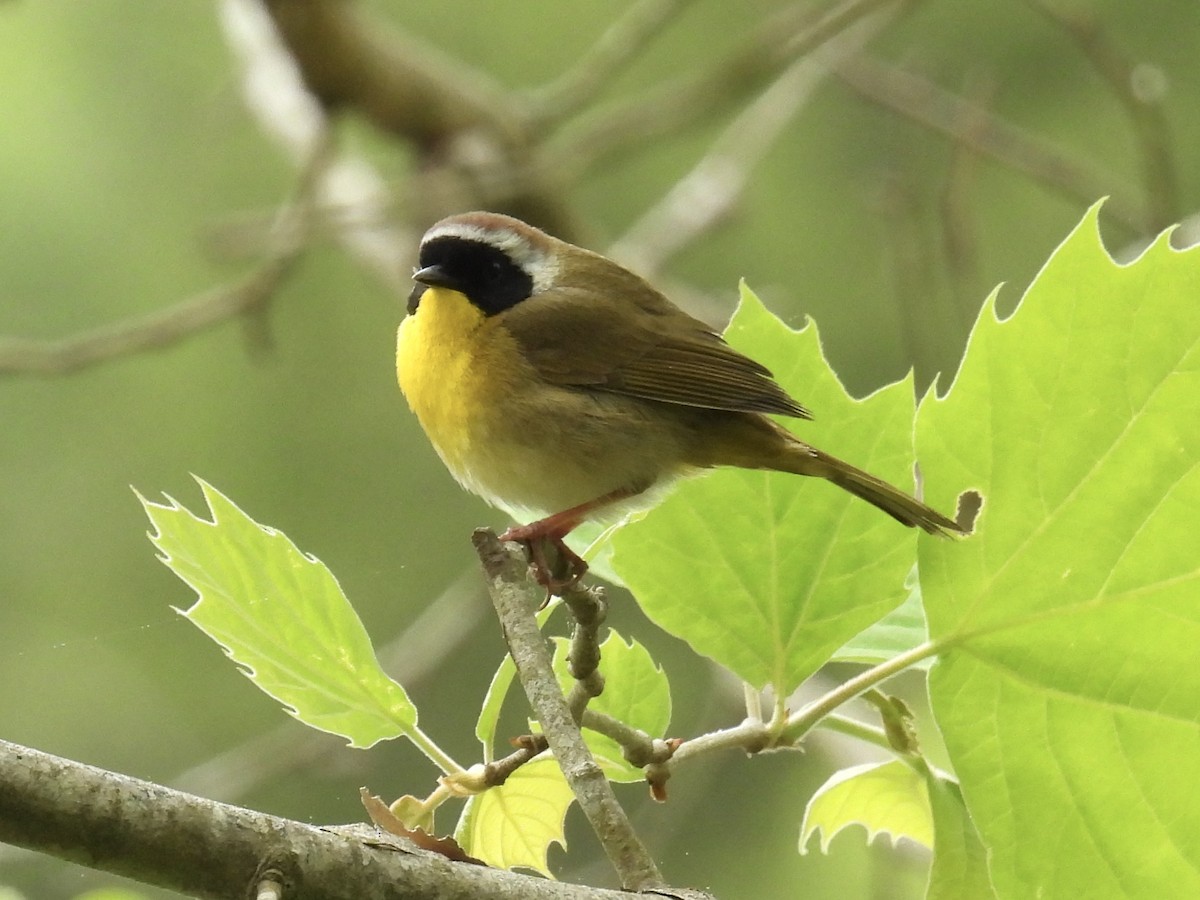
(1069, 624)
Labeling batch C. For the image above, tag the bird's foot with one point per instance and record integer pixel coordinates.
(555, 566)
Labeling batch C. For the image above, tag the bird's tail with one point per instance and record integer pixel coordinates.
(802, 459)
(756, 442)
(893, 501)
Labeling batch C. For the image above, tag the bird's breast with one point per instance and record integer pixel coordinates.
(447, 368)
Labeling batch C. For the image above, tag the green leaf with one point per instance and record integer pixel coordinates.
(900, 630)
(959, 870)
(884, 798)
(513, 825)
(770, 573)
(281, 615)
(1068, 680)
(636, 693)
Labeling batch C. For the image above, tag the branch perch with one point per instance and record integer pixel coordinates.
(206, 849)
(515, 597)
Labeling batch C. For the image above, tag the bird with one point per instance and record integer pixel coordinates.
(554, 381)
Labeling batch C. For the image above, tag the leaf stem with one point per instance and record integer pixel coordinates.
(754, 708)
(436, 754)
(802, 722)
(863, 731)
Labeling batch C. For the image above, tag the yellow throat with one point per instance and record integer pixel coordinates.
(447, 368)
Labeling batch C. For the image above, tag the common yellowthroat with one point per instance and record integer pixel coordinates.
(554, 380)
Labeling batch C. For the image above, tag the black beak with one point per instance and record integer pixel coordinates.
(436, 276)
(430, 276)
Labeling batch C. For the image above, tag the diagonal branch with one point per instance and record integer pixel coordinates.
(782, 39)
(623, 40)
(701, 199)
(162, 328)
(515, 596)
(248, 297)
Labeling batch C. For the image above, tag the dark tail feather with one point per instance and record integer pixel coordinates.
(805, 460)
(755, 442)
(893, 501)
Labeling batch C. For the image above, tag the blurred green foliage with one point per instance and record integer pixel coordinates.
(126, 153)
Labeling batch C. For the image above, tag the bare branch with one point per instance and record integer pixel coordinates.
(704, 196)
(350, 197)
(622, 41)
(515, 597)
(474, 137)
(206, 849)
(31, 356)
(164, 327)
(401, 85)
(780, 41)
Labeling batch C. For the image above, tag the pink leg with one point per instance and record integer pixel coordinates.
(548, 533)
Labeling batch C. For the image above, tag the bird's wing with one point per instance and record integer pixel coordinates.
(641, 345)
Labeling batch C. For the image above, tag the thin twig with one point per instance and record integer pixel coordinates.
(589, 608)
(960, 244)
(162, 328)
(515, 597)
(775, 45)
(606, 58)
(705, 196)
(528, 746)
(288, 238)
(638, 747)
(991, 136)
(750, 736)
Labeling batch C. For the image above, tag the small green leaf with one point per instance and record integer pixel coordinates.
(281, 615)
(513, 825)
(884, 798)
(900, 630)
(1069, 623)
(636, 693)
(770, 573)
